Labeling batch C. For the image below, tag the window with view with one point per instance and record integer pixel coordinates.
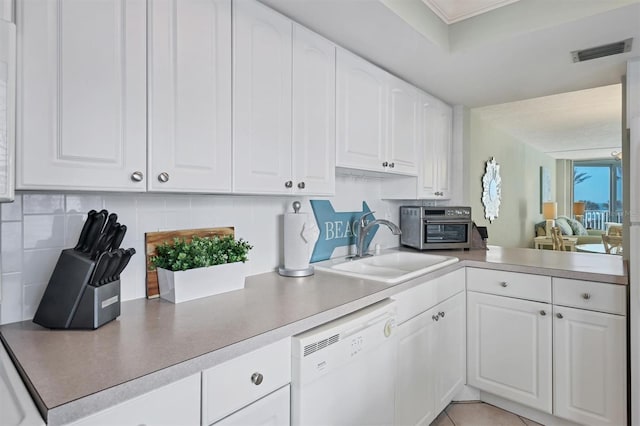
(599, 184)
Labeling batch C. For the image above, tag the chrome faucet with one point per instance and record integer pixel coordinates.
(364, 228)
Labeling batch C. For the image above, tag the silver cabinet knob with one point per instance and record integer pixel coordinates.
(385, 164)
(163, 177)
(257, 378)
(435, 317)
(559, 315)
(586, 296)
(504, 284)
(301, 185)
(441, 314)
(137, 176)
(543, 312)
(392, 165)
(288, 184)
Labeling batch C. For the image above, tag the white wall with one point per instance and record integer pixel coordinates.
(37, 226)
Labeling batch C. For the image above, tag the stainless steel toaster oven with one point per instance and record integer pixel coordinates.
(434, 228)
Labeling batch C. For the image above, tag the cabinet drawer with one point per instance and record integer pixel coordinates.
(418, 299)
(590, 295)
(232, 385)
(510, 284)
(273, 409)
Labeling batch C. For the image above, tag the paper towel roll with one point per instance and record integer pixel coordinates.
(296, 247)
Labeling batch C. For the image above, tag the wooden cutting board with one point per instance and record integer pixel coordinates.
(154, 239)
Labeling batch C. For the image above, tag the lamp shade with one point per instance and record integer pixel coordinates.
(579, 208)
(549, 209)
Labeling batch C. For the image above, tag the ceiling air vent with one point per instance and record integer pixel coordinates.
(602, 51)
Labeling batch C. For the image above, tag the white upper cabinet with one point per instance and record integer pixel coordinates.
(7, 109)
(284, 105)
(262, 99)
(403, 127)
(434, 181)
(189, 76)
(377, 118)
(82, 94)
(7, 8)
(361, 113)
(314, 113)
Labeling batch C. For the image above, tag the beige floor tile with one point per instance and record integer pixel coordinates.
(481, 414)
(442, 420)
(530, 422)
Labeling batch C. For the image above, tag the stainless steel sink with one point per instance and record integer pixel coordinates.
(389, 268)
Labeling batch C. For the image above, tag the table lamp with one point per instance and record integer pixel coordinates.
(549, 211)
(579, 208)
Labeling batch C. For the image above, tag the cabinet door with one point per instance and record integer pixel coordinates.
(403, 128)
(314, 113)
(360, 113)
(415, 398)
(190, 95)
(590, 381)
(7, 109)
(450, 350)
(509, 348)
(174, 404)
(262, 99)
(82, 94)
(437, 119)
(271, 410)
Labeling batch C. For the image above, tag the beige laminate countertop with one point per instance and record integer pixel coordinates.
(72, 374)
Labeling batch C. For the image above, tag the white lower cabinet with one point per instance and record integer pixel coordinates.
(174, 404)
(271, 410)
(431, 354)
(509, 348)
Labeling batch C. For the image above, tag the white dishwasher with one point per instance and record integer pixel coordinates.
(343, 372)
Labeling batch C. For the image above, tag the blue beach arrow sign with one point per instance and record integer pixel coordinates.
(337, 229)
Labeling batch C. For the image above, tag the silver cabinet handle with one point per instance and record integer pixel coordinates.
(392, 165)
(586, 296)
(441, 314)
(559, 315)
(543, 312)
(137, 176)
(288, 184)
(301, 185)
(504, 284)
(385, 164)
(163, 177)
(257, 378)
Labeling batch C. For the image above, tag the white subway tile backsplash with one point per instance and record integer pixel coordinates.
(36, 227)
(11, 308)
(11, 247)
(83, 203)
(38, 265)
(43, 231)
(32, 295)
(12, 211)
(43, 203)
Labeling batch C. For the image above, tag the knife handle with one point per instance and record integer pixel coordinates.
(119, 236)
(85, 229)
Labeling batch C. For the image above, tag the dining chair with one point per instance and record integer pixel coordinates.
(612, 244)
(556, 239)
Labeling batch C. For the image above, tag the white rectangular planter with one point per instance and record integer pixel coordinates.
(181, 286)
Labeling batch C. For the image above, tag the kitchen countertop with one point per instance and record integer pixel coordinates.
(72, 374)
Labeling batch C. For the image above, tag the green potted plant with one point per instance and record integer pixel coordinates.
(200, 267)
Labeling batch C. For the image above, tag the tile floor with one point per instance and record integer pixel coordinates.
(479, 414)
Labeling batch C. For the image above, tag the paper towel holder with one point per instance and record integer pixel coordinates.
(285, 272)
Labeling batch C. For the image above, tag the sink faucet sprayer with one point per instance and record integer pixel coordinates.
(364, 228)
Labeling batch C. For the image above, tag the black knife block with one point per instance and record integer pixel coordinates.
(70, 302)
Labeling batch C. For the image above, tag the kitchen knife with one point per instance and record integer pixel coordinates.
(101, 265)
(119, 236)
(126, 257)
(94, 230)
(85, 230)
(104, 241)
(115, 257)
(111, 221)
